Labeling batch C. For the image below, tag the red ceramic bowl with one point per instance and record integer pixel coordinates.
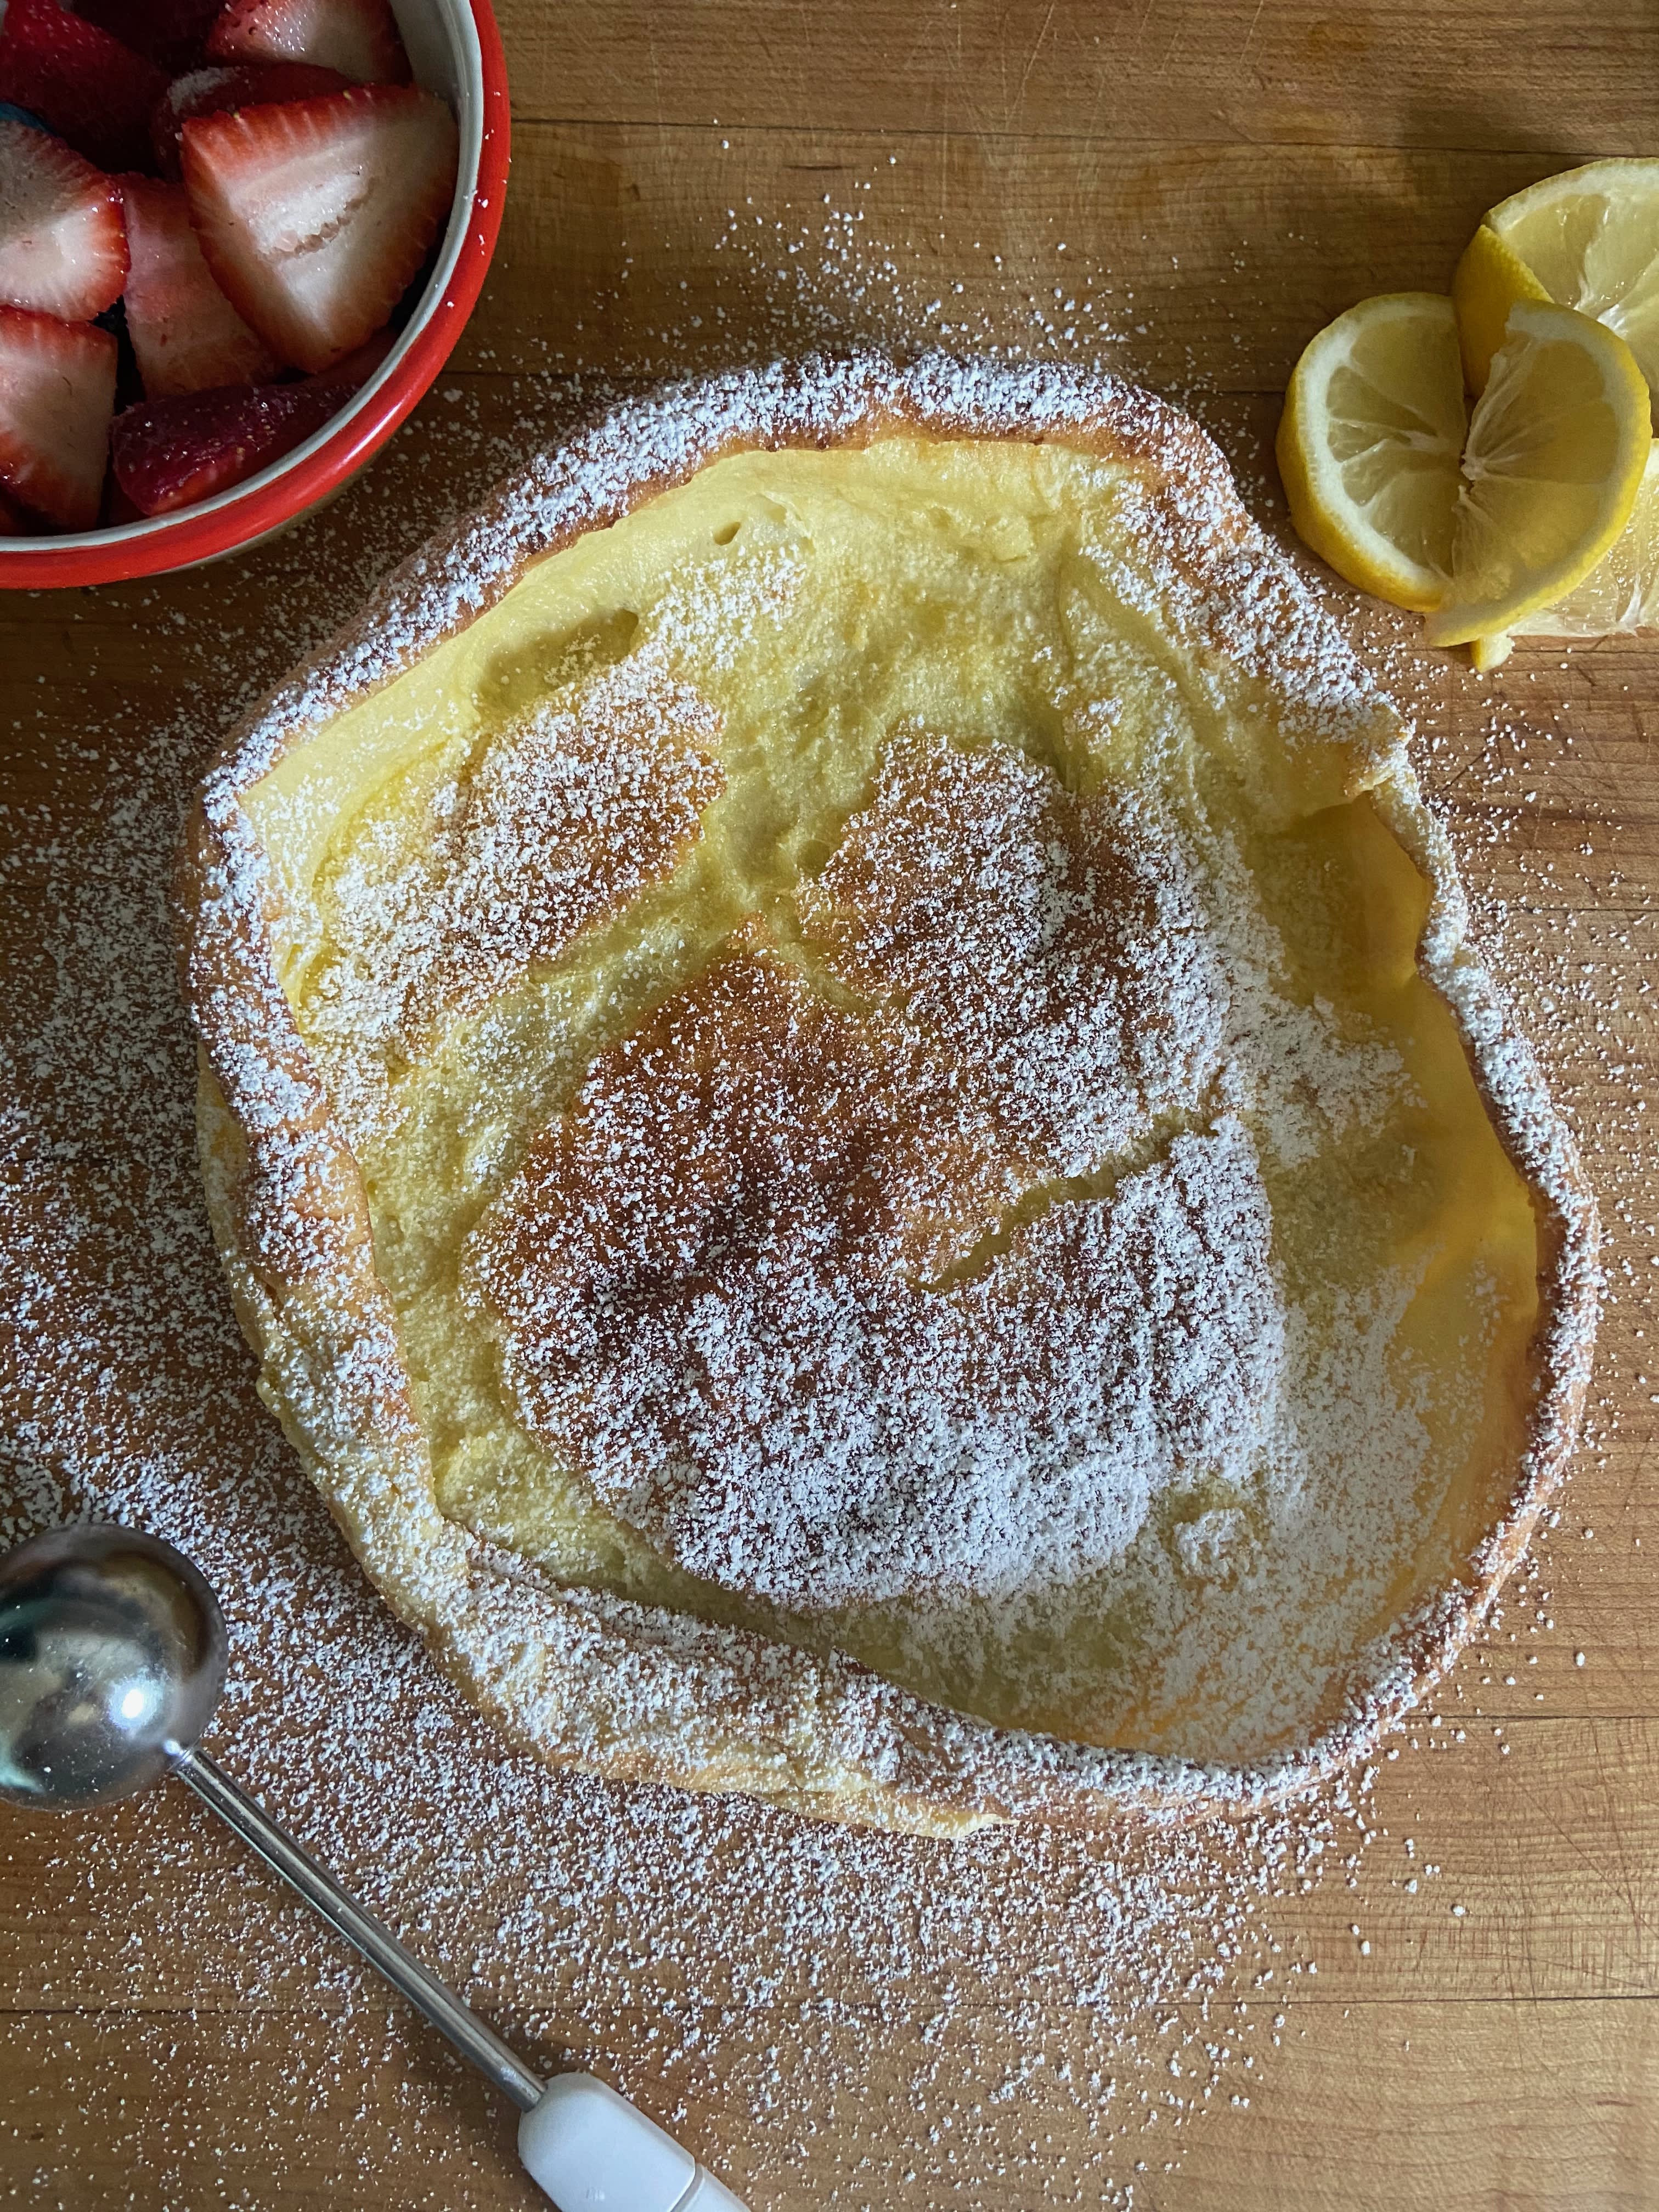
(456, 52)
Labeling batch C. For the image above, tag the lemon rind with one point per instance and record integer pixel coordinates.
(1490, 278)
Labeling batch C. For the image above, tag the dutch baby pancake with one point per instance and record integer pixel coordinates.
(844, 1095)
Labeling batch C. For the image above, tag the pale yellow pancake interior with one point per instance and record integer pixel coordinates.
(799, 611)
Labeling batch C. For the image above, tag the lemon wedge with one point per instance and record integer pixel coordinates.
(1554, 459)
(1369, 442)
(1588, 239)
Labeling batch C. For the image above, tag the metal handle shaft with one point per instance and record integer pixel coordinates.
(379, 1946)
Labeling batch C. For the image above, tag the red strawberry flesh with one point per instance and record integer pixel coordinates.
(63, 240)
(172, 33)
(314, 216)
(91, 89)
(357, 37)
(168, 453)
(185, 334)
(57, 394)
(224, 86)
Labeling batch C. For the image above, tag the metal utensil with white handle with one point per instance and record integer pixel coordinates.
(111, 1659)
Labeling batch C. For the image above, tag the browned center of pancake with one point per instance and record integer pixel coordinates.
(906, 1252)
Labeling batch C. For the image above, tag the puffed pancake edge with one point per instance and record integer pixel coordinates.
(582, 1678)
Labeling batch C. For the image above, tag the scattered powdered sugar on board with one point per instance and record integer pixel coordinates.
(133, 1394)
(841, 2018)
(832, 2017)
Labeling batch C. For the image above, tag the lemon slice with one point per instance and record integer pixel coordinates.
(1369, 445)
(1554, 459)
(1621, 593)
(1620, 596)
(1588, 239)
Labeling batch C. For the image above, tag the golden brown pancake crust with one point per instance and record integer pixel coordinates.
(587, 1677)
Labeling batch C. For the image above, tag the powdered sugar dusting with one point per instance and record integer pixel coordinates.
(1235, 607)
(782, 1992)
(1098, 997)
(762, 1282)
(540, 831)
(788, 1414)
(861, 2017)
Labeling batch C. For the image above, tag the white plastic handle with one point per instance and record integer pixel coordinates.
(592, 2151)
(588, 2148)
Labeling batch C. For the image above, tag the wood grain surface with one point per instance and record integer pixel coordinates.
(1181, 190)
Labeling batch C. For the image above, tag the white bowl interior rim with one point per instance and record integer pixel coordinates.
(446, 58)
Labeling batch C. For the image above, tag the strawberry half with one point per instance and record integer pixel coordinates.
(168, 453)
(315, 216)
(57, 394)
(91, 89)
(185, 334)
(63, 242)
(172, 33)
(357, 37)
(224, 86)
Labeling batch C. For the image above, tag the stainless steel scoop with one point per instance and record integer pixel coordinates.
(111, 1659)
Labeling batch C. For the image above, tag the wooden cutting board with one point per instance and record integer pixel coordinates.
(1183, 190)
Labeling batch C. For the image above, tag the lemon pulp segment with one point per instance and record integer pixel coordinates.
(1621, 593)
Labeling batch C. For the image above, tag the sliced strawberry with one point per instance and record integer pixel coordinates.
(357, 37)
(169, 452)
(91, 89)
(314, 216)
(185, 334)
(172, 33)
(63, 242)
(57, 394)
(224, 86)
